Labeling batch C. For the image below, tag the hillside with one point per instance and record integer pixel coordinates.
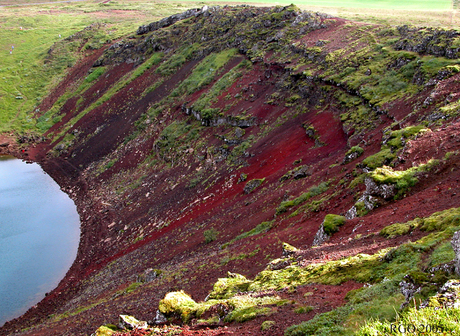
(278, 166)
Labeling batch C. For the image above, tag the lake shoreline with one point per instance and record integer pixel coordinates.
(9, 146)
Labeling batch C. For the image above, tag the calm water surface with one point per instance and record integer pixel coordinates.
(39, 235)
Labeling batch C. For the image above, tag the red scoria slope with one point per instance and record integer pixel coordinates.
(158, 153)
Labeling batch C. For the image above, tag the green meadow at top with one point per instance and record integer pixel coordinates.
(37, 43)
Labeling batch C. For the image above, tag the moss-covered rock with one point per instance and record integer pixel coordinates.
(130, 322)
(104, 331)
(251, 185)
(225, 288)
(178, 303)
(353, 154)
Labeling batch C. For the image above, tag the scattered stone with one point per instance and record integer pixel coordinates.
(251, 185)
(408, 289)
(159, 318)
(279, 263)
(130, 322)
(289, 250)
(149, 275)
(243, 177)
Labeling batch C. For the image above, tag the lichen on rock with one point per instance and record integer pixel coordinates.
(130, 322)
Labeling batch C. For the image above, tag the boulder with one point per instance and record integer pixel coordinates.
(321, 236)
(371, 198)
(288, 250)
(385, 191)
(178, 303)
(130, 322)
(251, 185)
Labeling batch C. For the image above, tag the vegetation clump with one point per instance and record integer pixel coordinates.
(395, 141)
(402, 180)
(352, 154)
(332, 222)
(266, 325)
(438, 221)
(260, 228)
(210, 235)
(178, 303)
(312, 192)
(296, 173)
(227, 287)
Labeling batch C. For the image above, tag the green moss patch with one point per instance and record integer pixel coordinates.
(312, 192)
(332, 222)
(395, 141)
(403, 179)
(178, 303)
(426, 321)
(436, 222)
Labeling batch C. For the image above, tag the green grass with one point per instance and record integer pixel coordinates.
(204, 72)
(177, 60)
(312, 192)
(29, 72)
(210, 96)
(25, 78)
(395, 141)
(260, 228)
(332, 223)
(175, 138)
(427, 321)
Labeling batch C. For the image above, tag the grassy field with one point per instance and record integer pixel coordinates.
(28, 31)
(426, 5)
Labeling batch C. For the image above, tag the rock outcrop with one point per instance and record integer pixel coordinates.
(455, 242)
(373, 195)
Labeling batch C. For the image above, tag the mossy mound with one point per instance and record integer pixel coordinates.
(104, 331)
(332, 222)
(227, 287)
(178, 303)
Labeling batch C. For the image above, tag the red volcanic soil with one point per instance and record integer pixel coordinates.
(141, 211)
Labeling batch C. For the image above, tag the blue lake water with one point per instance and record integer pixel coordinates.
(39, 235)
